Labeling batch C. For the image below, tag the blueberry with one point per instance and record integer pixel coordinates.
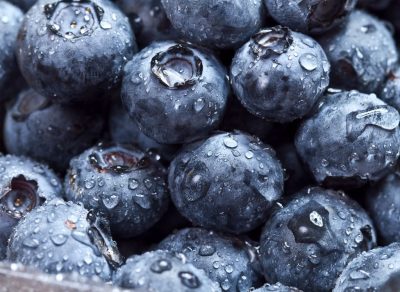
(176, 92)
(376, 270)
(50, 132)
(148, 20)
(72, 51)
(23, 4)
(216, 24)
(279, 74)
(383, 205)
(228, 182)
(24, 185)
(278, 287)
(310, 16)
(63, 237)
(391, 91)
(163, 271)
(351, 139)
(362, 51)
(123, 183)
(10, 22)
(227, 260)
(125, 130)
(310, 240)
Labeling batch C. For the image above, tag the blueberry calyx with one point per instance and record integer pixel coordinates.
(21, 198)
(117, 161)
(72, 19)
(274, 40)
(177, 67)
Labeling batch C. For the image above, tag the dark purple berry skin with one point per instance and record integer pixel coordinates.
(311, 239)
(350, 139)
(228, 182)
(362, 53)
(376, 270)
(177, 93)
(61, 237)
(74, 52)
(122, 182)
(310, 16)
(227, 260)
(215, 24)
(279, 74)
(49, 132)
(163, 271)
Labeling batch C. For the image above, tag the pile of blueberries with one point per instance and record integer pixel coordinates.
(202, 145)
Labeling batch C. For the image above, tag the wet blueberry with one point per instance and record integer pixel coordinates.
(309, 242)
(227, 182)
(362, 53)
(163, 271)
(361, 145)
(176, 92)
(216, 24)
(63, 237)
(227, 260)
(24, 185)
(310, 16)
(10, 22)
(49, 132)
(279, 74)
(376, 270)
(73, 51)
(123, 183)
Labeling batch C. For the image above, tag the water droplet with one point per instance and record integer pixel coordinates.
(89, 184)
(59, 239)
(133, 184)
(161, 266)
(199, 105)
(110, 202)
(230, 142)
(105, 25)
(358, 275)
(249, 154)
(189, 280)
(206, 250)
(308, 61)
(142, 201)
(384, 117)
(31, 242)
(229, 269)
(225, 285)
(316, 219)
